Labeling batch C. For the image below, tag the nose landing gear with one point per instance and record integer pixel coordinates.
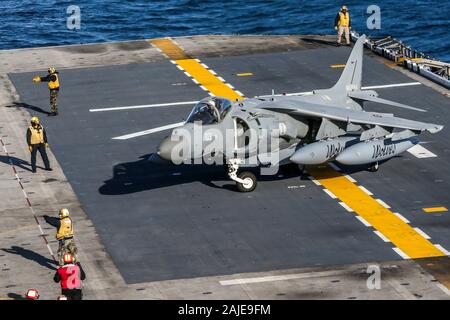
(249, 182)
(245, 181)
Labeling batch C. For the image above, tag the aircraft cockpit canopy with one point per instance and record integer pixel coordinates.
(210, 110)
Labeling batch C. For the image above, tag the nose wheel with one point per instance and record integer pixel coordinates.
(245, 181)
(249, 183)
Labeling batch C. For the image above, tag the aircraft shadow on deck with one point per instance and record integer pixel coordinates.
(365, 167)
(143, 175)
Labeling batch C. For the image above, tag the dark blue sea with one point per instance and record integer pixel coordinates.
(425, 25)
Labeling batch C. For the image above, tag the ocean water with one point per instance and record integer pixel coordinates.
(425, 25)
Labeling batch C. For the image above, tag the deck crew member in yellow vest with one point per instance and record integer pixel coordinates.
(53, 85)
(37, 141)
(64, 235)
(343, 25)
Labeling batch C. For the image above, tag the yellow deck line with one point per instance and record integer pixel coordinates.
(244, 74)
(382, 219)
(167, 46)
(208, 80)
(435, 209)
(196, 70)
(334, 66)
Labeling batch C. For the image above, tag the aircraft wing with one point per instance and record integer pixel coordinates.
(366, 96)
(354, 116)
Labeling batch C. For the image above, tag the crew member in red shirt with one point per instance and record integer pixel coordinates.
(70, 276)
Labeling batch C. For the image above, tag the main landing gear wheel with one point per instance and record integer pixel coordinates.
(249, 183)
(374, 167)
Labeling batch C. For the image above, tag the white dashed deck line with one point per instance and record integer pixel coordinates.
(366, 191)
(346, 207)
(350, 178)
(378, 233)
(401, 217)
(384, 204)
(331, 194)
(317, 183)
(423, 234)
(364, 221)
(401, 253)
(445, 251)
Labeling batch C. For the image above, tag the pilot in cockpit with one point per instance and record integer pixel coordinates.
(210, 110)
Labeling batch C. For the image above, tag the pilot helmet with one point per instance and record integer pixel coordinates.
(210, 103)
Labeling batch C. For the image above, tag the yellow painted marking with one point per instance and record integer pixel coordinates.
(170, 48)
(196, 70)
(245, 74)
(382, 219)
(334, 66)
(435, 209)
(207, 79)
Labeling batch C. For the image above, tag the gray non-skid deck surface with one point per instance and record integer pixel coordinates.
(167, 222)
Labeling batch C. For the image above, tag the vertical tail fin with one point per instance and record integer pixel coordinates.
(350, 79)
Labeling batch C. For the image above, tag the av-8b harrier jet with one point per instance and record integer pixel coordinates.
(268, 131)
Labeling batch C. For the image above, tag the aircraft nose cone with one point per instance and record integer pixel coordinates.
(303, 157)
(165, 148)
(348, 157)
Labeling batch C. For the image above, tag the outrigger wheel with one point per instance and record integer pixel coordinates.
(249, 183)
(374, 167)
